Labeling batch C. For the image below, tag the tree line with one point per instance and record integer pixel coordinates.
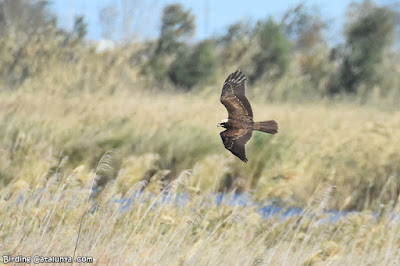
(266, 49)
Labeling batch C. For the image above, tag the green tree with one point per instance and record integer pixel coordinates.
(177, 25)
(188, 69)
(370, 30)
(274, 50)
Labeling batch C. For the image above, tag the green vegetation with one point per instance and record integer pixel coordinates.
(367, 38)
(81, 130)
(189, 69)
(274, 52)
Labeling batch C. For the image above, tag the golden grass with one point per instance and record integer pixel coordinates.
(47, 219)
(76, 105)
(351, 147)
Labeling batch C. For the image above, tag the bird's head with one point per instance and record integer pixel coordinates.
(223, 123)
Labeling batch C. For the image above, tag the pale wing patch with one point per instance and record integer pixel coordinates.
(233, 95)
(232, 103)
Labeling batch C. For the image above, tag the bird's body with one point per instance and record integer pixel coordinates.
(240, 125)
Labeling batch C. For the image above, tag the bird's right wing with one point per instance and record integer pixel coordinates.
(235, 140)
(233, 96)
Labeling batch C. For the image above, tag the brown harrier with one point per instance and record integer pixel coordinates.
(239, 125)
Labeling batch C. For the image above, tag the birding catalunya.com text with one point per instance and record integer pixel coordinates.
(37, 259)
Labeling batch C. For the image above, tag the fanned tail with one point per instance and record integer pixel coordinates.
(270, 126)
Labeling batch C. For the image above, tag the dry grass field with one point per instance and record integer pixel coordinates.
(82, 122)
(326, 156)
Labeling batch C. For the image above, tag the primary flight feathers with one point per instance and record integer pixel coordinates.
(239, 125)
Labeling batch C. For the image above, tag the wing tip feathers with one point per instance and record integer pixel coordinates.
(236, 77)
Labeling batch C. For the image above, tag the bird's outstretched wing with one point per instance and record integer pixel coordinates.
(233, 96)
(235, 140)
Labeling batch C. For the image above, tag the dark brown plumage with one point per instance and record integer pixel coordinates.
(239, 125)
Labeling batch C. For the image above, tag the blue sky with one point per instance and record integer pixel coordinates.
(212, 17)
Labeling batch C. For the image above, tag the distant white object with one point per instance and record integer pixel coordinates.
(104, 45)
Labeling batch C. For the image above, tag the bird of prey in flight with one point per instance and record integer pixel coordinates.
(240, 125)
